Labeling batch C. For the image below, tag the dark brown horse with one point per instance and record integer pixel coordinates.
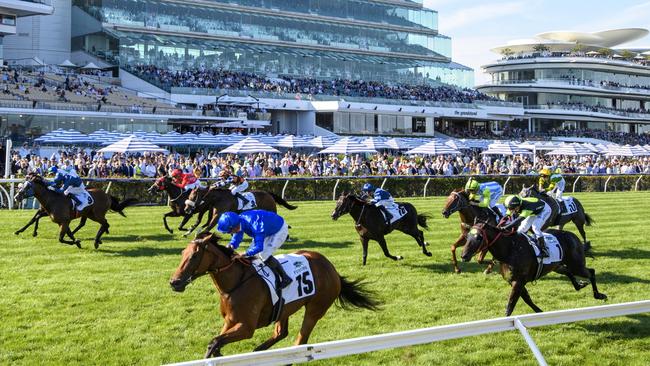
(177, 197)
(519, 261)
(580, 218)
(458, 201)
(60, 209)
(245, 299)
(221, 200)
(40, 213)
(371, 225)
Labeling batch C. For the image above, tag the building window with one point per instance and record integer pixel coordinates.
(8, 20)
(419, 125)
(325, 120)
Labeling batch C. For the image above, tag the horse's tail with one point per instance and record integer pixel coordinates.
(119, 207)
(589, 220)
(422, 220)
(279, 200)
(354, 295)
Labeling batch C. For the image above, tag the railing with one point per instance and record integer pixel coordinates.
(582, 84)
(588, 109)
(340, 348)
(572, 59)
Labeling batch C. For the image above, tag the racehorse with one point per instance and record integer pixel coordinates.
(177, 197)
(34, 221)
(458, 201)
(371, 225)
(221, 200)
(60, 209)
(519, 261)
(580, 218)
(246, 302)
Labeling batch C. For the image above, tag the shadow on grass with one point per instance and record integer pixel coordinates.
(605, 277)
(147, 237)
(447, 267)
(142, 252)
(631, 327)
(625, 253)
(297, 243)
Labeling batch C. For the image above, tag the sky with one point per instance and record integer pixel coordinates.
(477, 26)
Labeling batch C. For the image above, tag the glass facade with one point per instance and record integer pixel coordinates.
(367, 40)
(573, 75)
(375, 124)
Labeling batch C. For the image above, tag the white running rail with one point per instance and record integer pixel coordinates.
(325, 350)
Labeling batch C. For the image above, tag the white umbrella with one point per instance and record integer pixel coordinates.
(434, 147)
(616, 55)
(292, 142)
(592, 53)
(67, 63)
(322, 142)
(506, 148)
(69, 137)
(457, 144)
(247, 146)
(376, 143)
(91, 66)
(628, 151)
(346, 146)
(571, 150)
(132, 144)
(402, 144)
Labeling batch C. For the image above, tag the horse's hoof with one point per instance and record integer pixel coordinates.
(34, 235)
(78, 243)
(600, 296)
(426, 243)
(97, 244)
(16, 232)
(428, 254)
(457, 271)
(399, 258)
(582, 284)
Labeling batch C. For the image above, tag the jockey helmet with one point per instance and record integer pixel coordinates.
(471, 185)
(53, 169)
(546, 172)
(368, 188)
(177, 173)
(227, 222)
(512, 202)
(224, 174)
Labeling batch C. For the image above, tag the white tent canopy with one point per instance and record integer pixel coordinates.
(67, 63)
(506, 148)
(571, 150)
(248, 146)
(434, 147)
(132, 145)
(346, 146)
(91, 66)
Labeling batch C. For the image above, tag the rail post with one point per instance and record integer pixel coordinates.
(12, 191)
(531, 343)
(636, 184)
(424, 194)
(575, 182)
(607, 182)
(382, 183)
(334, 191)
(108, 187)
(505, 185)
(286, 183)
(2, 199)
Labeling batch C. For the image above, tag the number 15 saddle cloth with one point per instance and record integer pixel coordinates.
(297, 267)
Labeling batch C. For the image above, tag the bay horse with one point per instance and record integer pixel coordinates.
(221, 200)
(40, 213)
(60, 209)
(371, 225)
(458, 201)
(519, 261)
(245, 299)
(177, 197)
(580, 218)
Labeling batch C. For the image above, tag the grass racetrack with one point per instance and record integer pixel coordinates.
(114, 306)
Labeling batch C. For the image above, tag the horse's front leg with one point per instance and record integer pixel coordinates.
(515, 293)
(38, 219)
(364, 248)
(235, 333)
(165, 216)
(196, 224)
(32, 221)
(384, 248)
(490, 263)
(81, 224)
(64, 229)
(458, 243)
(186, 218)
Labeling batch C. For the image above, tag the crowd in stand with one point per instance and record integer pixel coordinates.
(92, 165)
(224, 79)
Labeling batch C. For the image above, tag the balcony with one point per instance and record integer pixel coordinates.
(575, 84)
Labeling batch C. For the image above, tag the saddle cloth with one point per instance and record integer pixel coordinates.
(397, 211)
(297, 267)
(568, 206)
(502, 209)
(251, 202)
(86, 200)
(553, 247)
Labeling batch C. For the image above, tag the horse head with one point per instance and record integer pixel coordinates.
(202, 255)
(456, 201)
(195, 198)
(479, 238)
(343, 205)
(159, 185)
(528, 191)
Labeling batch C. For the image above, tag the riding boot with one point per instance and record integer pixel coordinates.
(389, 217)
(276, 267)
(496, 212)
(76, 200)
(543, 253)
(244, 201)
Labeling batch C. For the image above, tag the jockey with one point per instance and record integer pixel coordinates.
(528, 213)
(268, 230)
(484, 195)
(552, 183)
(237, 183)
(72, 184)
(185, 181)
(381, 199)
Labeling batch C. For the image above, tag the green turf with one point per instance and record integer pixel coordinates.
(113, 306)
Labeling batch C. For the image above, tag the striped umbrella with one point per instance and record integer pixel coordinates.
(476, 143)
(506, 148)
(69, 137)
(376, 143)
(172, 138)
(247, 146)
(49, 135)
(132, 144)
(434, 147)
(457, 145)
(322, 142)
(627, 150)
(402, 144)
(292, 142)
(346, 146)
(571, 150)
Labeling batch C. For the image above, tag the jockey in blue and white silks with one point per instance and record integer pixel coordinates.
(70, 184)
(382, 199)
(268, 230)
(485, 195)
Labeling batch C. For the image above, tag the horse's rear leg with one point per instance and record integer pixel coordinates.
(384, 248)
(577, 285)
(313, 312)
(81, 224)
(64, 229)
(364, 247)
(591, 274)
(581, 229)
(526, 297)
(235, 333)
(418, 235)
(280, 332)
(102, 229)
(459, 242)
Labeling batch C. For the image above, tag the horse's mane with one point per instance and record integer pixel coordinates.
(35, 178)
(214, 239)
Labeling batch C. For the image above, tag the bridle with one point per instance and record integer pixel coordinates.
(457, 206)
(484, 246)
(193, 204)
(162, 186)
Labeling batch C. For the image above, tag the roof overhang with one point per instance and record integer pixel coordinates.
(25, 8)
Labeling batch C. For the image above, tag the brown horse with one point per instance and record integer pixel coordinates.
(177, 197)
(580, 218)
(371, 225)
(458, 201)
(519, 261)
(60, 209)
(221, 200)
(245, 299)
(34, 221)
